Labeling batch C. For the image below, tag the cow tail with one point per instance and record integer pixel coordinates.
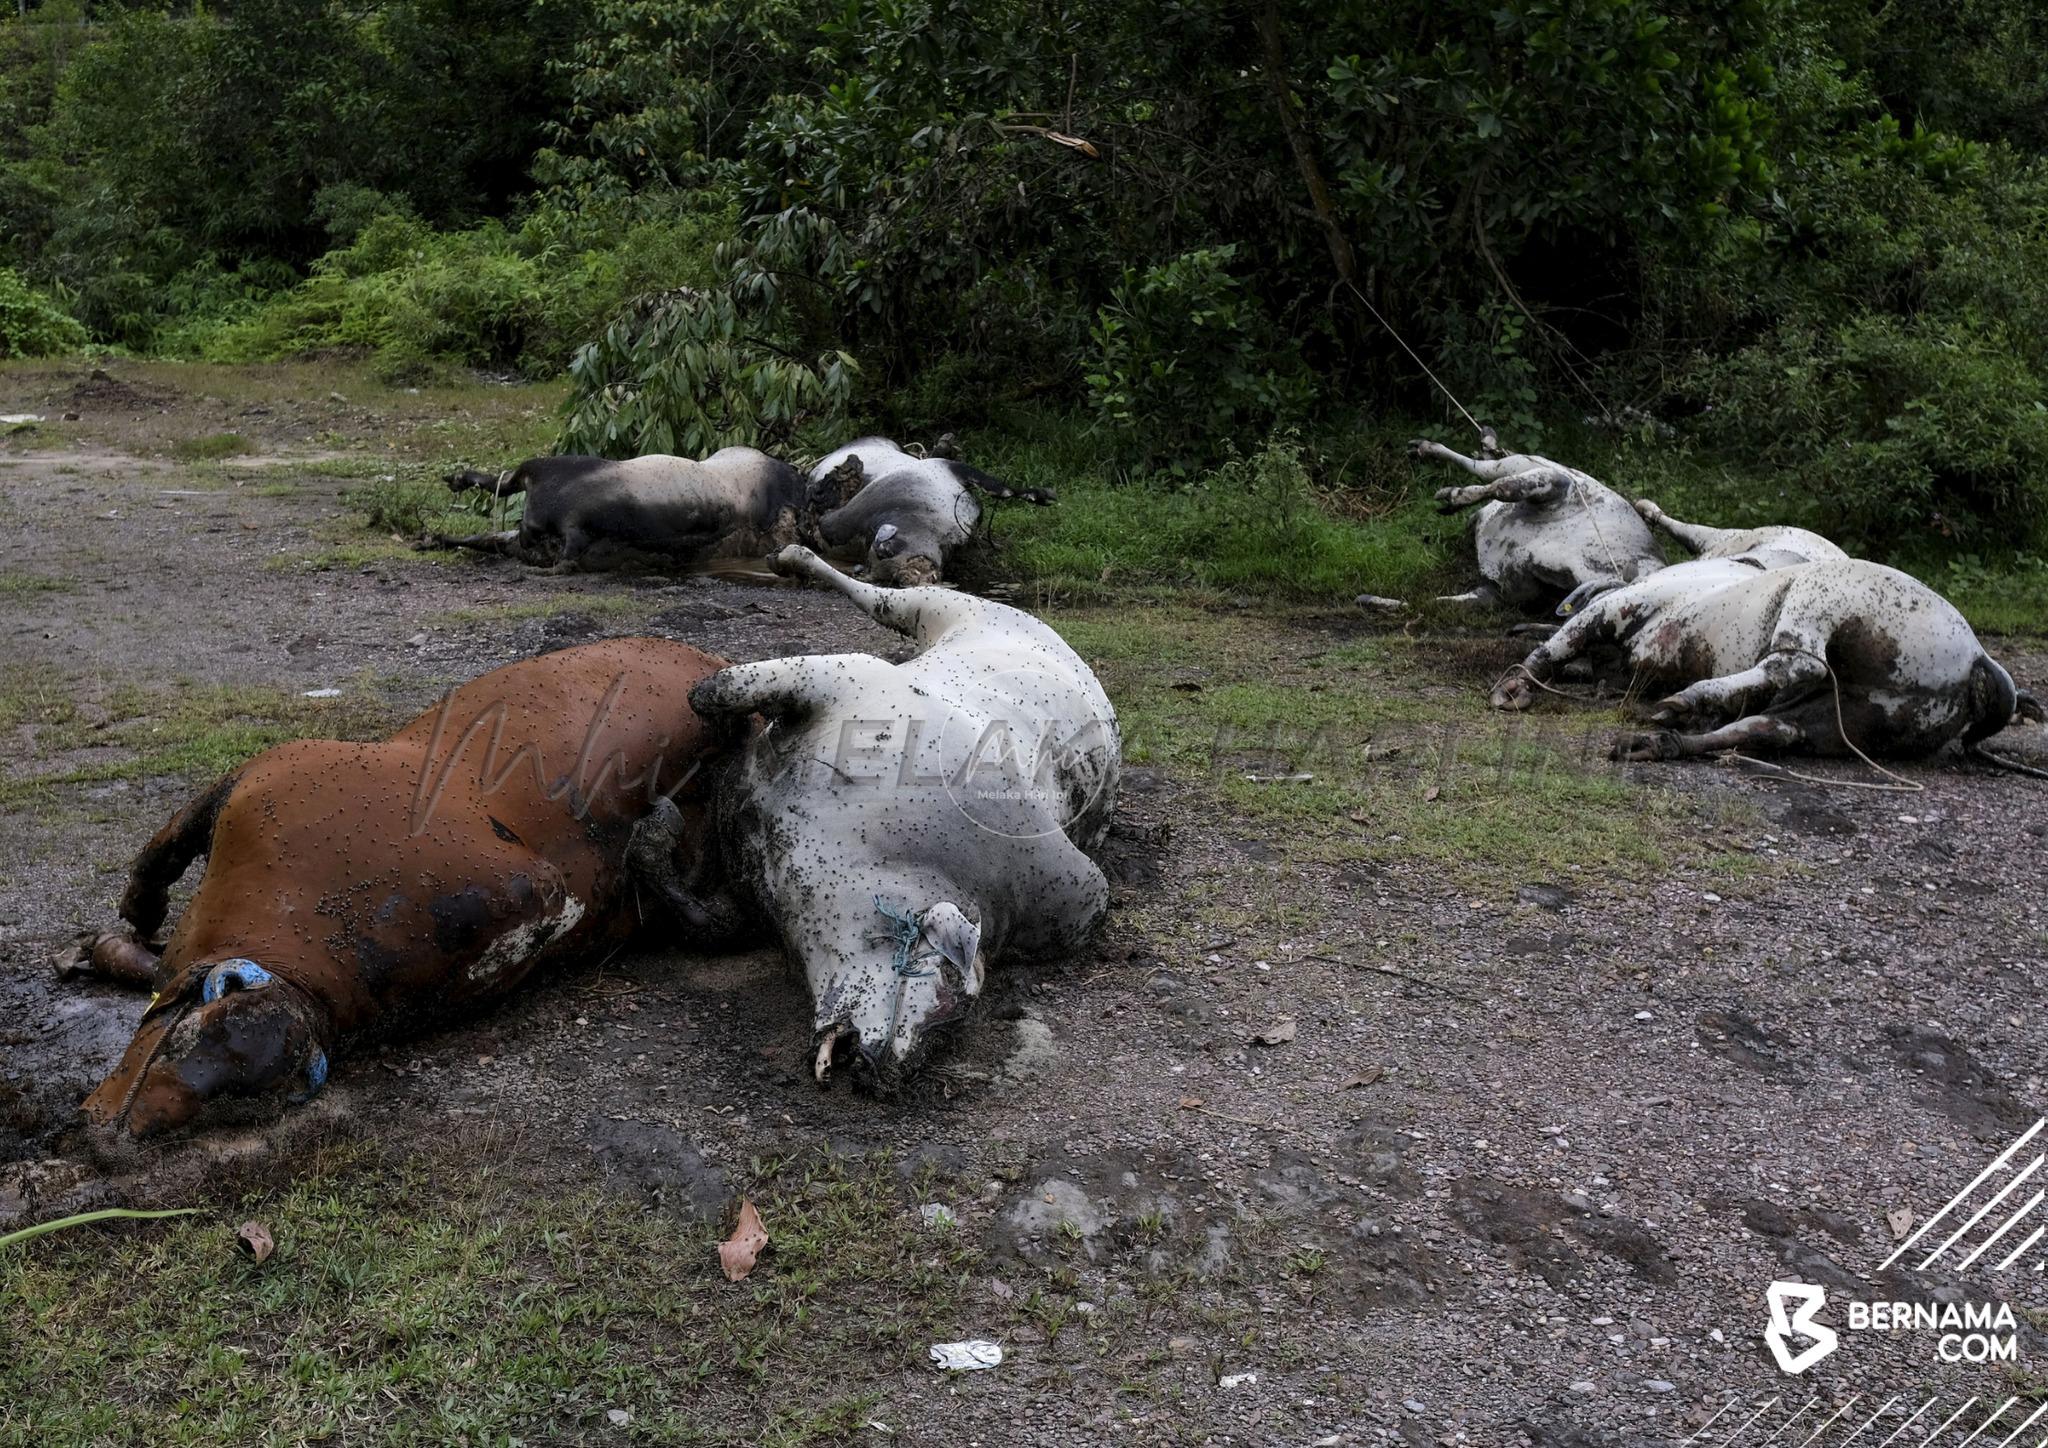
(188, 835)
(996, 487)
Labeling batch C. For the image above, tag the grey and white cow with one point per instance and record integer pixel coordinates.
(903, 516)
(584, 510)
(905, 824)
(1544, 532)
(1793, 657)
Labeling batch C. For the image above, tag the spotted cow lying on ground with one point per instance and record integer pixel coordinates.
(1544, 532)
(906, 824)
(902, 516)
(676, 511)
(355, 891)
(1823, 656)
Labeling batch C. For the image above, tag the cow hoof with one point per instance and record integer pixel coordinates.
(1514, 692)
(75, 959)
(1646, 748)
(1420, 447)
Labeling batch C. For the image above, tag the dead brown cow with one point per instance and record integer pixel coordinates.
(361, 890)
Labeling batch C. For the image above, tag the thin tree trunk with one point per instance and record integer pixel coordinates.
(1341, 255)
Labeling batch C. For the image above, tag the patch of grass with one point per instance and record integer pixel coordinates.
(414, 1304)
(195, 731)
(1259, 526)
(23, 585)
(211, 448)
(1403, 758)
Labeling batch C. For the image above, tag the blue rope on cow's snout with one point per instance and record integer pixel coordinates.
(240, 974)
(905, 929)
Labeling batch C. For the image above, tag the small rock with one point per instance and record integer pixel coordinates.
(619, 1417)
(418, 641)
(1658, 1385)
(1413, 1405)
(1582, 1386)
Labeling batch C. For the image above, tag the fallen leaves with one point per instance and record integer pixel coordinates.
(254, 1239)
(738, 1253)
(1364, 1078)
(1900, 1221)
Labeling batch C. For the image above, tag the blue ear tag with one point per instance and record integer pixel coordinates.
(316, 1077)
(242, 974)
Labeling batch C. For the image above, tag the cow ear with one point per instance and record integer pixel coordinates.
(956, 938)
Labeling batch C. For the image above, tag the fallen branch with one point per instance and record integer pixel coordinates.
(1398, 975)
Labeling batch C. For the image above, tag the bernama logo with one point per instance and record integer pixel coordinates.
(1970, 1332)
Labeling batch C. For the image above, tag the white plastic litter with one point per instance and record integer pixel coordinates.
(20, 419)
(321, 694)
(1237, 1380)
(967, 1357)
(938, 1215)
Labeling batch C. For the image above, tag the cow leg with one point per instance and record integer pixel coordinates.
(1536, 485)
(902, 609)
(1518, 689)
(1489, 469)
(1758, 731)
(500, 543)
(160, 863)
(1485, 595)
(1695, 536)
(657, 842)
(1774, 674)
(575, 543)
(110, 955)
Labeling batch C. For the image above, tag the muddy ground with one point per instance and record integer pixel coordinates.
(1536, 1147)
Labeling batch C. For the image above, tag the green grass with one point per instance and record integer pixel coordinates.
(24, 585)
(434, 1304)
(211, 448)
(1407, 760)
(192, 730)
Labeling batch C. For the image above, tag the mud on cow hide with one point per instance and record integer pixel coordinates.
(904, 517)
(585, 511)
(906, 824)
(1836, 656)
(354, 891)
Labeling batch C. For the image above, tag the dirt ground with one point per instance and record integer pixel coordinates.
(1537, 1145)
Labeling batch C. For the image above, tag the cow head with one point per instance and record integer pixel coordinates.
(879, 1011)
(225, 1034)
(903, 559)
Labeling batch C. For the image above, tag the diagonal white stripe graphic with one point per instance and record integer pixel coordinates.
(1951, 1418)
(1987, 1422)
(1751, 1419)
(1873, 1418)
(1830, 1422)
(1789, 1421)
(2010, 1222)
(1982, 1212)
(1710, 1422)
(1997, 1162)
(1910, 1421)
(2032, 1238)
(2023, 1427)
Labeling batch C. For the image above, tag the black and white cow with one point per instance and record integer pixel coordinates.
(906, 824)
(1818, 656)
(902, 515)
(581, 510)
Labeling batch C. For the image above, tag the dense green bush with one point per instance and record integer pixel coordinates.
(486, 297)
(31, 324)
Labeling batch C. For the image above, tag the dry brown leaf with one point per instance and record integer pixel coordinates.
(1086, 148)
(1191, 1103)
(738, 1253)
(1277, 1034)
(1431, 793)
(1363, 1078)
(1900, 1221)
(254, 1238)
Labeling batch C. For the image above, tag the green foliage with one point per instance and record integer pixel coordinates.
(31, 324)
(1184, 360)
(684, 372)
(485, 297)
